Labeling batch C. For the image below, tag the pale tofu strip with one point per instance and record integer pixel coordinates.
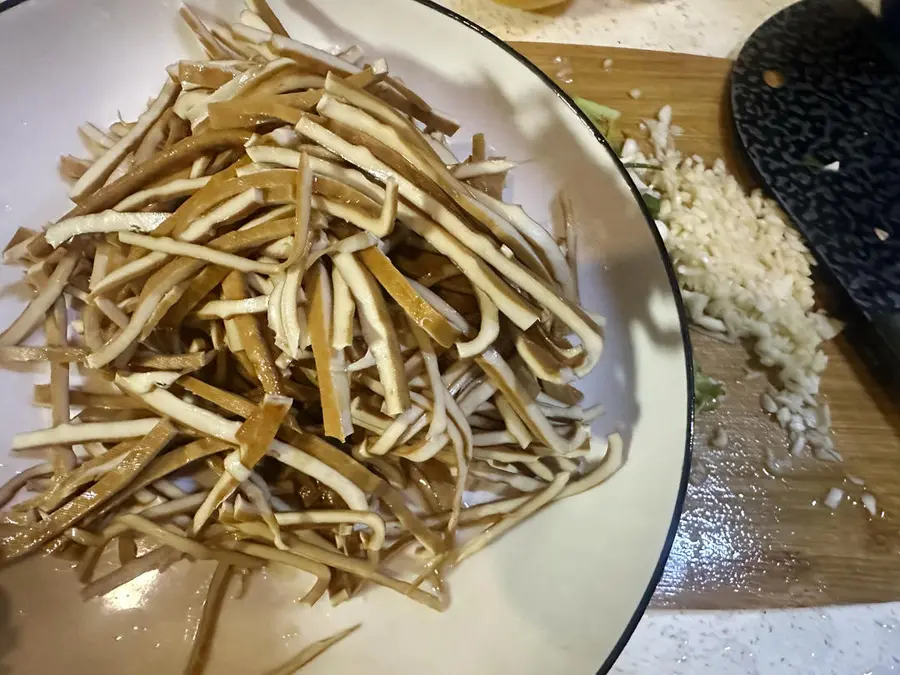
(354, 54)
(607, 466)
(187, 100)
(438, 392)
(338, 516)
(367, 419)
(55, 328)
(461, 438)
(70, 434)
(229, 90)
(212, 46)
(279, 250)
(232, 209)
(273, 312)
(260, 15)
(391, 436)
(174, 189)
(270, 154)
(367, 360)
(316, 60)
(435, 170)
(225, 37)
(37, 309)
(92, 134)
(489, 167)
(224, 309)
(574, 317)
(381, 225)
(333, 379)
(292, 316)
(106, 221)
(426, 308)
(491, 438)
(101, 169)
(545, 246)
(344, 311)
(384, 200)
(475, 395)
(179, 248)
(235, 208)
(302, 211)
(378, 330)
(214, 425)
(487, 333)
(423, 450)
(438, 235)
(494, 532)
(323, 63)
(18, 250)
(503, 378)
(200, 166)
(152, 296)
(128, 272)
(272, 214)
(514, 424)
(541, 362)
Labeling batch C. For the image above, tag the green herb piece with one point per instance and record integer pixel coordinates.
(707, 391)
(652, 204)
(596, 111)
(641, 165)
(604, 118)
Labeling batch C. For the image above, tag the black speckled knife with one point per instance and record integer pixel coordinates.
(816, 100)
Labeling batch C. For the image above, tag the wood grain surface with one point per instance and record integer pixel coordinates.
(754, 535)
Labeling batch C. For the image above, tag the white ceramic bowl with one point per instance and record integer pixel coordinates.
(558, 595)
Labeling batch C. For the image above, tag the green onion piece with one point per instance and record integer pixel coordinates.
(707, 391)
(652, 204)
(597, 111)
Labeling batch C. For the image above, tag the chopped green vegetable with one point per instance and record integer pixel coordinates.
(641, 165)
(596, 111)
(811, 162)
(604, 118)
(652, 204)
(707, 391)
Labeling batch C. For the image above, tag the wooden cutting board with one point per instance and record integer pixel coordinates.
(751, 537)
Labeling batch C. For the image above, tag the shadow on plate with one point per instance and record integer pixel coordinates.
(8, 634)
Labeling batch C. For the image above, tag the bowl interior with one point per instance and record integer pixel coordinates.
(556, 595)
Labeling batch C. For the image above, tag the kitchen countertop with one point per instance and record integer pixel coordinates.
(857, 640)
(705, 27)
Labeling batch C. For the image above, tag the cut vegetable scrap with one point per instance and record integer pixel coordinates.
(299, 318)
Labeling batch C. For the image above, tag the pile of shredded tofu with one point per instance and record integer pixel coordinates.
(745, 275)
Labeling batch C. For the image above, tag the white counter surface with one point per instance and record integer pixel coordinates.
(708, 27)
(858, 640)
